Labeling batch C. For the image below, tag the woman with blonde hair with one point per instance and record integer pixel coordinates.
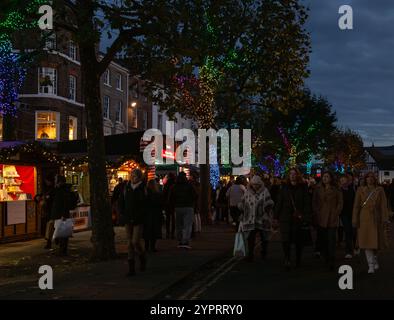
(370, 217)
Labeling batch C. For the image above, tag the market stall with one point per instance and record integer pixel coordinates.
(18, 214)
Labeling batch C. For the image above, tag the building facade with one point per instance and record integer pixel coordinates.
(50, 102)
(380, 160)
(139, 112)
(114, 84)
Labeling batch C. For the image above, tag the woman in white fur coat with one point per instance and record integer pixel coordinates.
(256, 218)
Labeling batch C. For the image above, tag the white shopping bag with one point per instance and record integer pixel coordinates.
(63, 228)
(240, 249)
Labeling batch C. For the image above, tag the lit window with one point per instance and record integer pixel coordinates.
(72, 50)
(72, 128)
(119, 81)
(48, 80)
(1, 127)
(106, 107)
(50, 40)
(107, 78)
(119, 112)
(47, 125)
(72, 87)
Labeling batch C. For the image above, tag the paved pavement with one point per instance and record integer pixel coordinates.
(260, 280)
(76, 278)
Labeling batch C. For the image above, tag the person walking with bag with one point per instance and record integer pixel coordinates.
(169, 209)
(133, 215)
(371, 218)
(327, 206)
(183, 197)
(154, 213)
(64, 200)
(234, 195)
(256, 205)
(293, 214)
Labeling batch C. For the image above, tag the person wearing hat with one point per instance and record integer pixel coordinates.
(256, 218)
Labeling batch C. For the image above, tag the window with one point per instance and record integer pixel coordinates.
(72, 50)
(145, 120)
(160, 122)
(72, 128)
(107, 131)
(47, 125)
(119, 111)
(135, 90)
(50, 40)
(119, 81)
(106, 107)
(1, 127)
(72, 87)
(48, 80)
(386, 173)
(107, 78)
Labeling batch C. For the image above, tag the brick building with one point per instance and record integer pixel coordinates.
(140, 107)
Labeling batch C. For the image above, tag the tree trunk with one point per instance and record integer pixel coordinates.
(205, 194)
(102, 228)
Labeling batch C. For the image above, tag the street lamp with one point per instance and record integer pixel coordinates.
(133, 104)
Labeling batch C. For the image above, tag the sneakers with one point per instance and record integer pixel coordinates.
(348, 256)
(371, 269)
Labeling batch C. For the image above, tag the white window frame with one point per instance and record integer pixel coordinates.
(119, 82)
(119, 112)
(72, 50)
(43, 71)
(57, 125)
(106, 107)
(72, 90)
(50, 42)
(107, 77)
(75, 125)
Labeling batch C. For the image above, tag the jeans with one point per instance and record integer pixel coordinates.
(184, 224)
(252, 242)
(326, 244)
(134, 236)
(349, 233)
(235, 214)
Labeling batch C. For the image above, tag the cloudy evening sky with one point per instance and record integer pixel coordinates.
(354, 69)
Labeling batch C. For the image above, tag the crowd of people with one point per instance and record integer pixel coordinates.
(310, 211)
(306, 211)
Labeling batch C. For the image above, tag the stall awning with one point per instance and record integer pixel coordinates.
(119, 144)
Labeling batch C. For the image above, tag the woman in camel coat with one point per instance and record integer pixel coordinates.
(327, 206)
(370, 217)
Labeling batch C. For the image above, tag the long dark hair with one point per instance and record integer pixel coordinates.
(333, 180)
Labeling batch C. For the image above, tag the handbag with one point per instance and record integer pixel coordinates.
(63, 228)
(240, 249)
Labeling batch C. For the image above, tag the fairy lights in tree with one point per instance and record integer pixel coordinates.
(13, 65)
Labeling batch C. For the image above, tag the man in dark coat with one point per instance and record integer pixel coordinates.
(293, 212)
(349, 195)
(182, 197)
(169, 209)
(132, 211)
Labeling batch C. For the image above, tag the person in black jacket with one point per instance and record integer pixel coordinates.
(63, 201)
(293, 212)
(349, 195)
(182, 197)
(133, 211)
(169, 209)
(154, 212)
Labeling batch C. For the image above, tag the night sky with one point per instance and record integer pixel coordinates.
(354, 69)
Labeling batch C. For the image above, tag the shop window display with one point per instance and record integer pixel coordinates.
(17, 182)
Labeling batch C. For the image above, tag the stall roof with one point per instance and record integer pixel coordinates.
(119, 144)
